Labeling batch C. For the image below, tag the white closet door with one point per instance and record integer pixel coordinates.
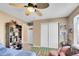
(44, 35)
(53, 35)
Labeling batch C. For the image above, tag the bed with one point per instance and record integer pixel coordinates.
(12, 52)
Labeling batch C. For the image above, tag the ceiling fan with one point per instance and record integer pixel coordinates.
(31, 7)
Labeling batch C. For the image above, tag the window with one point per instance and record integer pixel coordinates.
(30, 34)
(49, 35)
(76, 30)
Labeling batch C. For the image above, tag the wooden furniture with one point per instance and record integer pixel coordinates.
(13, 35)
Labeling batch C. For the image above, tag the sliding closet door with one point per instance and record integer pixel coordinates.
(44, 35)
(53, 35)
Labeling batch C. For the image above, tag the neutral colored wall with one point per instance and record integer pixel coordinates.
(70, 22)
(36, 30)
(4, 18)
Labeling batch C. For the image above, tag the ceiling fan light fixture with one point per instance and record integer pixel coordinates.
(27, 13)
(29, 10)
(32, 7)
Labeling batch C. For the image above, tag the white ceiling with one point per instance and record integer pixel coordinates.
(54, 10)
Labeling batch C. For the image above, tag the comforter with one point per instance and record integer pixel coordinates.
(12, 52)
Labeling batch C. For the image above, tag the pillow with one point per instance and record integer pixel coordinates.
(65, 50)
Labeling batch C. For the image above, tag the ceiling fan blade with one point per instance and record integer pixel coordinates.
(18, 5)
(38, 12)
(42, 5)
